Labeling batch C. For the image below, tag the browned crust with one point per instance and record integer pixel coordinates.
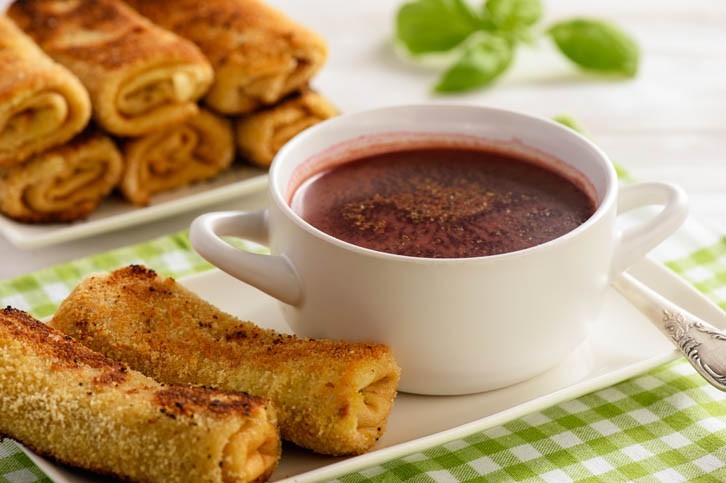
(66, 365)
(212, 154)
(215, 26)
(108, 46)
(187, 400)
(271, 349)
(250, 34)
(89, 139)
(78, 214)
(255, 134)
(21, 65)
(331, 396)
(68, 353)
(65, 351)
(124, 37)
(307, 99)
(24, 71)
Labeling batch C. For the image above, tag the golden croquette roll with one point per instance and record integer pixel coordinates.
(260, 135)
(78, 407)
(194, 150)
(140, 77)
(259, 55)
(41, 103)
(62, 184)
(331, 397)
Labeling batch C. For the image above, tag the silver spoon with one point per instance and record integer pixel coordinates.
(700, 342)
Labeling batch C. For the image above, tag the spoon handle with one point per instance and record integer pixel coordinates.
(700, 342)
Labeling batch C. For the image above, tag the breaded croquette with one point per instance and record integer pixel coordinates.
(78, 407)
(331, 397)
(140, 77)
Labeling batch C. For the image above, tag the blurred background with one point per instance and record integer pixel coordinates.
(667, 123)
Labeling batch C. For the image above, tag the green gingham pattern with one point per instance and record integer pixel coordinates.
(705, 268)
(15, 467)
(41, 292)
(663, 426)
(666, 425)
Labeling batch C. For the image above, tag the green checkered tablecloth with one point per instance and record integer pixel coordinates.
(666, 425)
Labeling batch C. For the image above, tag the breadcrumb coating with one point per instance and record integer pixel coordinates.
(41, 103)
(140, 77)
(78, 407)
(332, 397)
(65, 183)
(192, 151)
(258, 53)
(260, 135)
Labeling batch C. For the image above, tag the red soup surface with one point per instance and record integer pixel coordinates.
(442, 203)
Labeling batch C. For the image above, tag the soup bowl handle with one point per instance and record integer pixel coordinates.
(272, 274)
(635, 241)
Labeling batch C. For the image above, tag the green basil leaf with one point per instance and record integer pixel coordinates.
(482, 62)
(435, 25)
(513, 14)
(597, 45)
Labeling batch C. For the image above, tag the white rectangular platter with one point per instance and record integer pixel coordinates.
(622, 344)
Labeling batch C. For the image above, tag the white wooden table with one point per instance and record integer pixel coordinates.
(668, 124)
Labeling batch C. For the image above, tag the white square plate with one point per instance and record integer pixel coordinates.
(622, 344)
(115, 213)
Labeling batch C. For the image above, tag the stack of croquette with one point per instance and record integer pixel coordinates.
(102, 94)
